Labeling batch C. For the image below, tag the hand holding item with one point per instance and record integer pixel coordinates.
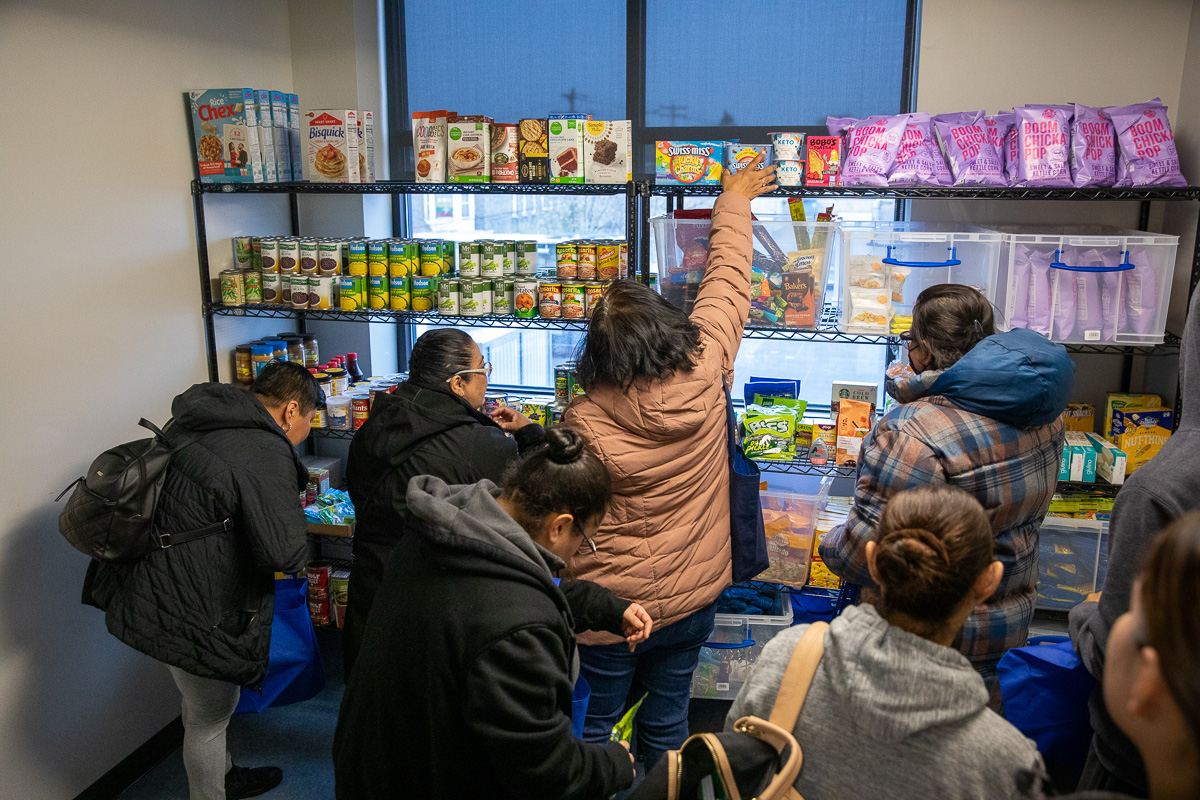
(509, 419)
(751, 181)
(636, 624)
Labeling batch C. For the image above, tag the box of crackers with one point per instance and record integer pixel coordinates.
(533, 151)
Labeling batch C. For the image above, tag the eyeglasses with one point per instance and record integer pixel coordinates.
(486, 369)
(910, 339)
(591, 544)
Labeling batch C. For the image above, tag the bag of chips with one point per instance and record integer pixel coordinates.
(871, 146)
(853, 423)
(770, 433)
(1141, 292)
(1044, 145)
(919, 161)
(999, 129)
(1031, 305)
(1093, 148)
(1148, 155)
(974, 160)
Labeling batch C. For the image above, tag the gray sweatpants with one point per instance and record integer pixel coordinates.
(207, 706)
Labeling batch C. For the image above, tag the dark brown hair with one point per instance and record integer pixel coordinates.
(1171, 608)
(634, 333)
(560, 477)
(949, 319)
(437, 355)
(934, 542)
(281, 382)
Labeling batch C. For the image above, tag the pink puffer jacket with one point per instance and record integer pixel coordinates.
(665, 541)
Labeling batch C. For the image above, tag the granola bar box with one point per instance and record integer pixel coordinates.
(221, 142)
(608, 151)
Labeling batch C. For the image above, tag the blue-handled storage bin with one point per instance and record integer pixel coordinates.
(736, 641)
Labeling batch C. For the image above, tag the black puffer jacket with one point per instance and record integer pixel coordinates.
(206, 606)
(412, 432)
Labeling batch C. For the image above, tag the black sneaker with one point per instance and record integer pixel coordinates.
(251, 781)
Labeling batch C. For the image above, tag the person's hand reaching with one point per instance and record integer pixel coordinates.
(636, 624)
(509, 419)
(750, 182)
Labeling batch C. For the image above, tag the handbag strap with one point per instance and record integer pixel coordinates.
(798, 677)
(730, 419)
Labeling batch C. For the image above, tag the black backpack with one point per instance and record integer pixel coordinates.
(110, 514)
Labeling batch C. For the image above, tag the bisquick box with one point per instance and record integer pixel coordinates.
(221, 136)
(330, 145)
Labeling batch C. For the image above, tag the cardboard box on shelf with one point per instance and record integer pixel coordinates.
(222, 144)
(1081, 446)
(1064, 463)
(1115, 400)
(294, 137)
(694, 163)
(266, 135)
(533, 156)
(325, 529)
(852, 390)
(608, 151)
(332, 465)
(566, 147)
(283, 142)
(1080, 417)
(331, 145)
(1141, 433)
(1110, 459)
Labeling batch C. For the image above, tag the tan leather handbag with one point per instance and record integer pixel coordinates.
(759, 759)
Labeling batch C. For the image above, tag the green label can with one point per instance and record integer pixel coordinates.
(252, 282)
(289, 255)
(468, 259)
(491, 259)
(398, 292)
(377, 291)
(243, 252)
(299, 290)
(525, 297)
(233, 291)
(350, 292)
(421, 287)
(562, 384)
(358, 258)
(507, 253)
(272, 288)
(329, 256)
(447, 258)
(320, 293)
(399, 259)
(309, 251)
(268, 253)
(448, 297)
(502, 296)
(527, 258)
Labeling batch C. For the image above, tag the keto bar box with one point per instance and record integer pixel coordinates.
(224, 136)
(330, 141)
(566, 147)
(608, 151)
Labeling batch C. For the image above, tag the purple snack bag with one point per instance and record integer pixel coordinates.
(1039, 301)
(974, 160)
(1147, 145)
(871, 147)
(1066, 291)
(1093, 148)
(1018, 286)
(919, 161)
(1043, 145)
(1089, 288)
(1141, 292)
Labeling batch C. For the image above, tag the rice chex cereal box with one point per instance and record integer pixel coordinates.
(222, 145)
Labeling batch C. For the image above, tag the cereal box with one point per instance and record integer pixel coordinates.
(429, 145)
(533, 155)
(331, 145)
(504, 153)
(366, 146)
(738, 156)
(1141, 433)
(223, 146)
(468, 151)
(695, 163)
(294, 137)
(608, 151)
(266, 135)
(824, 161)
(279, 129)
(565, 147)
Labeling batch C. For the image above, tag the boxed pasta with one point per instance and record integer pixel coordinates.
(331, 145)
(566, 147)
(608, 151)
(224, 147)
(266, 135)
(533, 155)
(468, 150)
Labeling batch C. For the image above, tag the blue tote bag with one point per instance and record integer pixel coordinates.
(295, 672)
(1046, 688)
(748, 537)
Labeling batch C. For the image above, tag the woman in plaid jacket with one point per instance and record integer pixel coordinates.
(981, 413)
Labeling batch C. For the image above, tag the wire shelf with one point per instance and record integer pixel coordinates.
(410, 187)
(802, 466)
(949, 192)
(826, 331)
(411, 317)
(1169, 347)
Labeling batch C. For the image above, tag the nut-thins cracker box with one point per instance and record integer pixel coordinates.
(1141, 433)
(221, 142)
(608, 151)
(331, 145)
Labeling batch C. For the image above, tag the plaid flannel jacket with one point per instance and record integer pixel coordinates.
(1011, 471)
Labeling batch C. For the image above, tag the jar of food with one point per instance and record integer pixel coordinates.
(339, 380)
(243, 364)
(260, 356)
(338, 414)
(295, 345)
(311, 357)
(278, 349)
(324, 381)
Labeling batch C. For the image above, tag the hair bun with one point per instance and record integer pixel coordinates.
(564, 446)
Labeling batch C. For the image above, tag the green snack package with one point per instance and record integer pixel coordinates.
(770, 432)
(623, 730)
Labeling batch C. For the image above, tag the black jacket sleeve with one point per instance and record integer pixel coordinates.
(489, 451)
(513, 709)
(530, 436)
(269, 516)
(593, 607)
(1137, 517)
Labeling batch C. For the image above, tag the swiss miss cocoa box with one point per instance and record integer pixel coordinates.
(330, 143)
(224, 148)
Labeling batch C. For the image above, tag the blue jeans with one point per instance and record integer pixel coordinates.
(661, 668)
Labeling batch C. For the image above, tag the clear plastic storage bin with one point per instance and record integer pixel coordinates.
(1072, 561)
(736, 641)
(789, 520)
(885, 265)
(1088, 284)
(790, 267)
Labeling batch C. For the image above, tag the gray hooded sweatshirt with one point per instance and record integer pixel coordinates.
(1167, 487)
(890, 714)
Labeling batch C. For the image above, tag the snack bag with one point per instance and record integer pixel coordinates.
(870, 311)
(919, 161)
(864, 272)
(1148, 155)
(623, 730)
(1093, 148)
(871, 148)
(853, 423)
(1043, 145)
(770, 433)
(1066, 295)
(1099, 313)
(1011, 149)
(974, 160)
(1032, 302)
(1141, 292)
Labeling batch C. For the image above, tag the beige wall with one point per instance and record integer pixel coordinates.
(100, 325)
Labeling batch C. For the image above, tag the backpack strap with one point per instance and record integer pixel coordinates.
(166, 540)
(798, 677)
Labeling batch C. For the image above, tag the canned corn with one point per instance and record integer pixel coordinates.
(398, 293)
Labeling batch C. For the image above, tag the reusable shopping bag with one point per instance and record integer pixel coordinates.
(295, 672)
(748, 536)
